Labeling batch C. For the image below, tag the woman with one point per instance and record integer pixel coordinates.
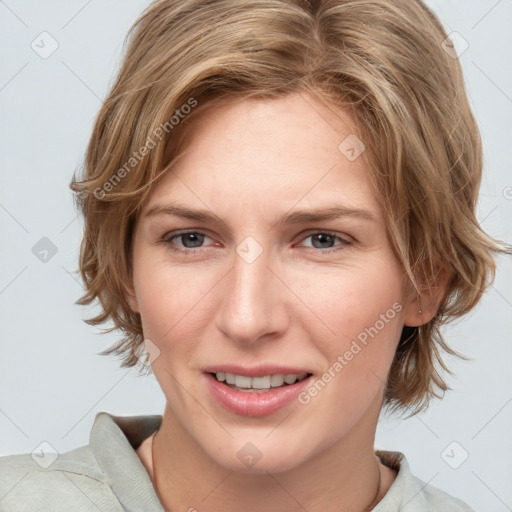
(237, 140)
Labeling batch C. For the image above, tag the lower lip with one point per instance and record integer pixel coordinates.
(254, 404)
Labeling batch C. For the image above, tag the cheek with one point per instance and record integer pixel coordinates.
(346, 301)
(171, 301)
(357, 326)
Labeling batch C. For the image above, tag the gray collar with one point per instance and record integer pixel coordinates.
(113, 440)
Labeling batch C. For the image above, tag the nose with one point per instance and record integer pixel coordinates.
(253, 306)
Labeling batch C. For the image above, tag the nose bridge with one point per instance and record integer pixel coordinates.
(252, 306)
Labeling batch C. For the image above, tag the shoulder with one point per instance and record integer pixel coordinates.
(72, 481)
(408, 490)
(438, 499)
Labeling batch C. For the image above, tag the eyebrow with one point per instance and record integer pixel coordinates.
(294, 217)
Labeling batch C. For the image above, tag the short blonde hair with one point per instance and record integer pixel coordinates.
(383, 60)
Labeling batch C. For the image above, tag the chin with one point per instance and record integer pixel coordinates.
(246, 458)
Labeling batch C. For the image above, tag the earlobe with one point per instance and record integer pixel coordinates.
(414, 314)
(422, 307)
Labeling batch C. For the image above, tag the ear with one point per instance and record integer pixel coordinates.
(131, 297)
(422, 307)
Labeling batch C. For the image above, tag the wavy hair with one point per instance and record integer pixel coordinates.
(386, 61)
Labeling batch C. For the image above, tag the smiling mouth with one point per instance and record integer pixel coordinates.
(259, 384)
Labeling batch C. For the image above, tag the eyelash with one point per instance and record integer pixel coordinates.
(168, 238)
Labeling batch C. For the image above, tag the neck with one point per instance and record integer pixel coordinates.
(341, 478)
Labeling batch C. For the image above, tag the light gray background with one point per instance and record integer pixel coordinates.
(52, 382)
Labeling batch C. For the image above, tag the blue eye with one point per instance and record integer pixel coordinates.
(193, 237)
(325, 238)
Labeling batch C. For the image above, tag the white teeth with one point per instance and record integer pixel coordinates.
(259, 383)
(277, 380)
(290, 379)
(241, 381)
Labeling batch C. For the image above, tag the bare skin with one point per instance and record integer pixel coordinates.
(144, 451)
(297, 303)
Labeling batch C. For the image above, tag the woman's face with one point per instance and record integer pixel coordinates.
(287, 270)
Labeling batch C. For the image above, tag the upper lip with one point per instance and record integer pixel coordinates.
(256, 371)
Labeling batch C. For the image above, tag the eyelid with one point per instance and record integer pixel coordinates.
(170, 235)
(344, 242)
(342, 236)
(345, 239)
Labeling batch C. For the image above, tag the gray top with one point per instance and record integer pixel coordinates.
(108, 475)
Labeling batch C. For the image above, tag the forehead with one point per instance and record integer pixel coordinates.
(293, 150)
